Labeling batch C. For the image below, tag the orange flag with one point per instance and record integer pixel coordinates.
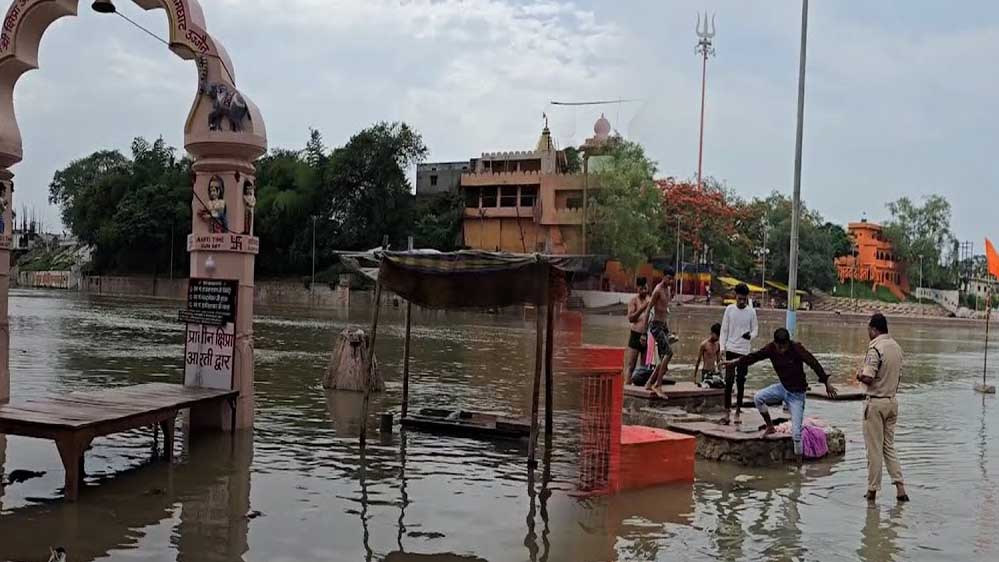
(992, 257)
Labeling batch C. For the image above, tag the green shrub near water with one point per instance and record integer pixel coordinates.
(864, 291)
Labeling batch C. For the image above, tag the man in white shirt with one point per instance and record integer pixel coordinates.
(739, 327)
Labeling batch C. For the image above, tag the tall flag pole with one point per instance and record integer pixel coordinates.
(993, 265)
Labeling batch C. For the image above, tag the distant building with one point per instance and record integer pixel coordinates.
(525, 201)
(981, 287)
(439, 177)
(874, 259)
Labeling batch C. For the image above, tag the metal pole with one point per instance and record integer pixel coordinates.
(683, 264)
(763, 281)
(586, 195)
(700, 146)
(792, 282)
(171, 251)
(677, 270)
(405, 351)
(313, 283)
(988, 316)
(853, 271)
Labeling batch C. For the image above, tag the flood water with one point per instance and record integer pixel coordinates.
(418, 496)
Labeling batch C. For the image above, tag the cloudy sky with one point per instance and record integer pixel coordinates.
(900, 93)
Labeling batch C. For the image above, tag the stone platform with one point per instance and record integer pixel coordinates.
(740, 444)
(686, 395)
(817, 391)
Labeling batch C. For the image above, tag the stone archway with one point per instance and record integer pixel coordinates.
(224, 133)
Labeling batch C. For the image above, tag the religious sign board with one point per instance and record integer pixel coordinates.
(210, 336)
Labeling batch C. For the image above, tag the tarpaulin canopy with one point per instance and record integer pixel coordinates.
(732, 282)
(784, 288)
(472, 279)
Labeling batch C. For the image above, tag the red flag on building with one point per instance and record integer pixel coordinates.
(992, 257)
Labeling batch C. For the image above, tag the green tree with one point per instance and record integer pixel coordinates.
(437, 221)
(819, 242)
(127, 208)
(626, 214)
(365, 193)
(573, 160)
(924, 230)
(287, 195)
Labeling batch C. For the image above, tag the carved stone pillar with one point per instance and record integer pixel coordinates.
(227, 255)
(6, 236)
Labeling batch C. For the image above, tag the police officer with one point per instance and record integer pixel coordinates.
(880, 374)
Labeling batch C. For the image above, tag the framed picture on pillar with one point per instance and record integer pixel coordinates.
(210, 335)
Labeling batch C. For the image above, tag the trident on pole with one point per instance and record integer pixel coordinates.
(705, 48)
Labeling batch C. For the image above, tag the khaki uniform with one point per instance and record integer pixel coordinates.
(883, 364)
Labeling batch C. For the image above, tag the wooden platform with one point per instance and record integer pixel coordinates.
(466, 423)
(74, 420)
(686, 395)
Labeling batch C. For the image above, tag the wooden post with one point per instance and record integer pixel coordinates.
(538, 364)
(371, 350)
(405, 351)
(549, 362)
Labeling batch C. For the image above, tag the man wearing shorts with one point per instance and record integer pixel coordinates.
(638, 316)
(659, 329)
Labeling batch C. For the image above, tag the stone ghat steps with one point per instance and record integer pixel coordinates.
(843, 304)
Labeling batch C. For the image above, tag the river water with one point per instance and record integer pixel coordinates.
(422, 497)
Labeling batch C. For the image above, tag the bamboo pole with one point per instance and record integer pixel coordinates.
(538, 363)
(549, 375)
(405, 351)
(371, 351)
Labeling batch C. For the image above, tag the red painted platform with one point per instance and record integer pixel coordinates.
(592, 359)
(651, 456)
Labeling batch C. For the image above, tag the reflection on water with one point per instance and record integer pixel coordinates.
(420, 497)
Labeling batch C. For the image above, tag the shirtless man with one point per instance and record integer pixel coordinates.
(638, 316)
(659, 327)
(709, 355)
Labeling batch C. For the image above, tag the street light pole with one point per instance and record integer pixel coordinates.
(792, 281)
(766, 250)
(312, 285)
(677, 270)
(853, 275)
(920, 281)
(704, 48)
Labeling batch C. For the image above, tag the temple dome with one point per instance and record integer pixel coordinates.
(602, 127)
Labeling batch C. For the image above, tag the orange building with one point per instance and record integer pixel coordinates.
(874, 259)
(526, 201)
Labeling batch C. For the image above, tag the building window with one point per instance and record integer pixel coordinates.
(471, 198)
(488, 196)
(433, 180)
(574, 202)
(528, 196)
(508, 196)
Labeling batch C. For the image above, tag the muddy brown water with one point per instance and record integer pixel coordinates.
(298, 488)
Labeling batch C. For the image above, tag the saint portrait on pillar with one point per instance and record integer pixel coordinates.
(250, 204)
(215, 209)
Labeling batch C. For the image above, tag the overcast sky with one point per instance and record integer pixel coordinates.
(900, 93)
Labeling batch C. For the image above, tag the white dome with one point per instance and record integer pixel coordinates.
(602, 127)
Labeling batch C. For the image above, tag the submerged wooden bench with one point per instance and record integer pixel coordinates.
(74, 420)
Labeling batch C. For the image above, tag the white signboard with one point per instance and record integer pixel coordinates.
(208, 355)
